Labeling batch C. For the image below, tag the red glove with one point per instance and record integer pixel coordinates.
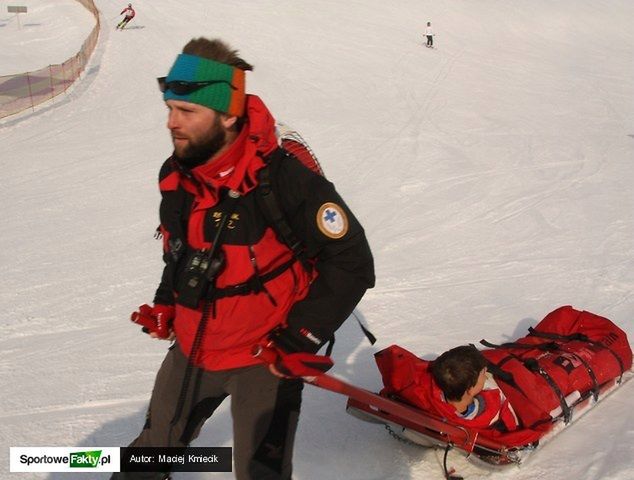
(298, 364)
(157, 319)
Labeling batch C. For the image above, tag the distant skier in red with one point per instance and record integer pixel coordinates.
(129, 15)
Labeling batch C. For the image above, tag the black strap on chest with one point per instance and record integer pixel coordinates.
(213, 254)
(255, 284)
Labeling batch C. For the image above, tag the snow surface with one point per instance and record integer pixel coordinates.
(493, 175)
(48, 34)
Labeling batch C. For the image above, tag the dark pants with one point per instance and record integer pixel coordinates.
(430, 40)
(124, 22)
(264, 408)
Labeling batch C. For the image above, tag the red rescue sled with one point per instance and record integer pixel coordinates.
(584, 353)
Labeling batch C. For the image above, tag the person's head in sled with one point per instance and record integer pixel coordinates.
(460, 373)
(461, 376)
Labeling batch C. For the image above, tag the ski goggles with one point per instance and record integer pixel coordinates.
(180, 87)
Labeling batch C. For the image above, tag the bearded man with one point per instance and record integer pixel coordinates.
(230, 282)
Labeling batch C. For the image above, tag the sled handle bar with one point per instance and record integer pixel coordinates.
(459, 436)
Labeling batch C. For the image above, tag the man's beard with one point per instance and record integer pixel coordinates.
(196, 153)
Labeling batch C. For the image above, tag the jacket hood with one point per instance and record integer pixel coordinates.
(237, 167)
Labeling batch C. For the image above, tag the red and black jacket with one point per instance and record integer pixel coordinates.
(262, 285)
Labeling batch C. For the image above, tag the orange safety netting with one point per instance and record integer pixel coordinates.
(25, 90)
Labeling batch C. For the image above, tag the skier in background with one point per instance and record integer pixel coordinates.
(430, 36)
(129, 15)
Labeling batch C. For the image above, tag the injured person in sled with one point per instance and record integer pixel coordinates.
(462, 390)
(516, 392)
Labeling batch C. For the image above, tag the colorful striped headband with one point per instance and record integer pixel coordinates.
(228, 95)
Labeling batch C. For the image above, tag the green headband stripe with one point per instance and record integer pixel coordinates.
(219, 96)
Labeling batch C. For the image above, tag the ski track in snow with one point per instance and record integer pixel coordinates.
(493, 176)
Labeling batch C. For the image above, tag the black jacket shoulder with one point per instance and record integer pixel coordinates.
(341, 254)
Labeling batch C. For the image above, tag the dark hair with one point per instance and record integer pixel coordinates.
(457, 370)
(217, 50)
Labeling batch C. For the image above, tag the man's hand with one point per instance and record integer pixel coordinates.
(290, 364)
(156, 321)
(300, 364)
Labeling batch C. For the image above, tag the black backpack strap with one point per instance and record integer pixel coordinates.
(368, 334)
(275, 217)
(209, 307)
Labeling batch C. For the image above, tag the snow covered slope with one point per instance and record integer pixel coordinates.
(493, 175)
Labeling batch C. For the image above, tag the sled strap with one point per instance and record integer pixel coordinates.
(546, 347)
(591, 374)
(449, 474)
(534, 367)
(498, 368)
(556, 336)
(503, 375)
(581, 338)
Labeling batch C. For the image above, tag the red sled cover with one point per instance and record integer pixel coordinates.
(570, 353)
